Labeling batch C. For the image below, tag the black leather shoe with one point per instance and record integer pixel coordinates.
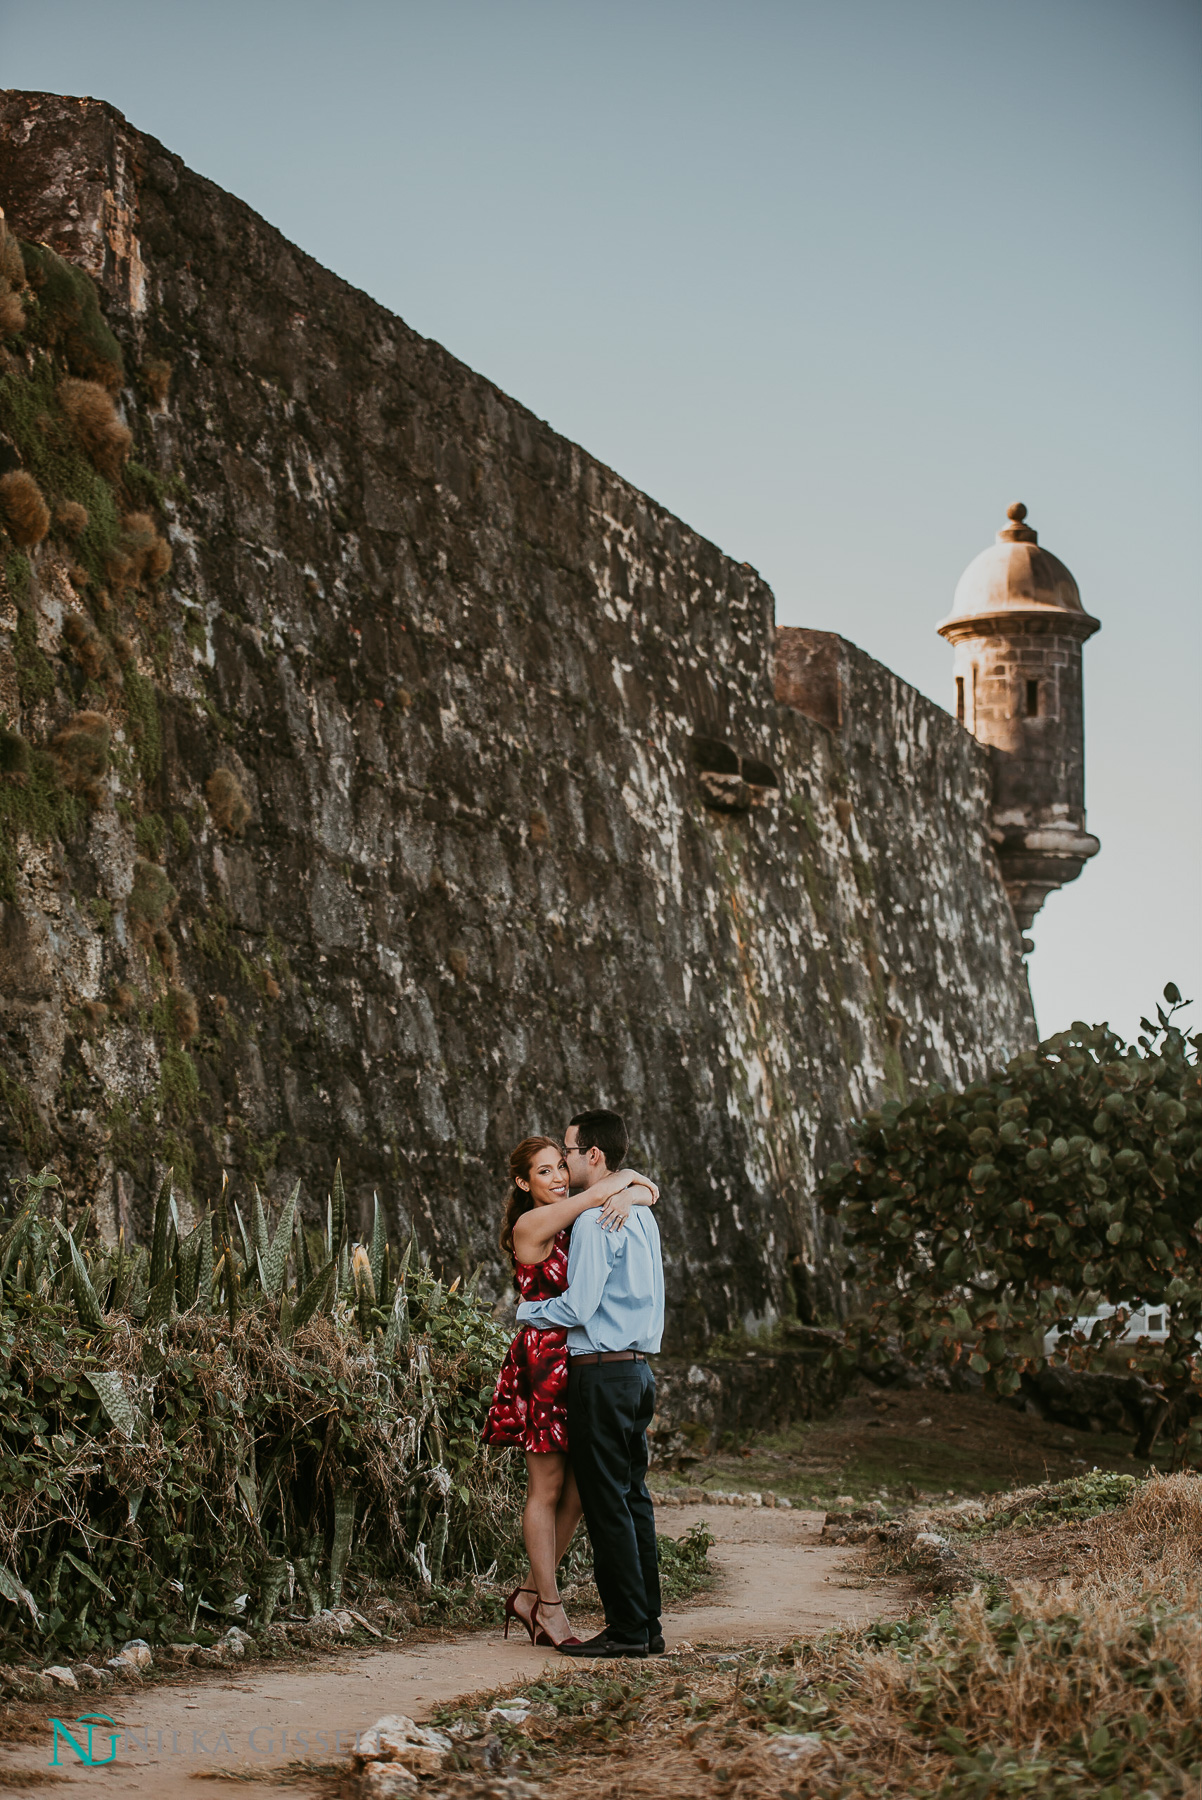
(602, 1645)
(656, 1646)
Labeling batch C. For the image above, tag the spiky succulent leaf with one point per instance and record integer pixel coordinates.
(246, 1478)
(376, 1253)
(204, 1274)
(340, 1549)
(231, 1285)
(135, 1299)
(18, 1593)
(248, 1253)
(338, 1215)
(88, 1574)
(258, 1225)
(438, 1546)
(109, 1389)
(224, 1234)
(397, 1336)
(160, 1302)
(274, 1259)
(275, 1580)
(286, 1319)
(12, 1243)
(188, 1261)
(315, 1296)
(160, 1250)
(304, 1262)
(86, 1303)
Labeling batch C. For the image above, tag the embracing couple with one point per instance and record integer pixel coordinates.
(575, 1391)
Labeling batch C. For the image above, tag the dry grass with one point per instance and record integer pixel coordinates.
(156, 378)
(89, 649)
(12, 280)
(185, 1014)
(97, 427)
(12, 314)
(227, 803)
(82, 750)
(71, 519)
(25, 511)
(12, 263)
(146, 555)
(1085, 1686)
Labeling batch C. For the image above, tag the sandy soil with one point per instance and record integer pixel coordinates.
(774, 1580)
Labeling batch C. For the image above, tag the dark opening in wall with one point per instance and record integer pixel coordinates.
(1032, 699)
(960, 699)
(758, 774)
(730, 782)
(712, 753)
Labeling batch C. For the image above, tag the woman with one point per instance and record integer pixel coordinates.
(529, 1407)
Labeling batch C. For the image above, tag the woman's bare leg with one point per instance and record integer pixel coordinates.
(551, 1515)
(568, 1515)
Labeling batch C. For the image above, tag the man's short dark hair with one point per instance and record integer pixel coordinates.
(603, 1131)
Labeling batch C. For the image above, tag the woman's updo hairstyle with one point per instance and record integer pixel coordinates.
(521, 1161)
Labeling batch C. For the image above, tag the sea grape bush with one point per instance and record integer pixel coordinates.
(232, 1419)
(977, 1221)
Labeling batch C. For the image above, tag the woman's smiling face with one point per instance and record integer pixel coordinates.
(548, 1179)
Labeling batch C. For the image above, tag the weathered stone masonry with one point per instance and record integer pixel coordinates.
(529, 826)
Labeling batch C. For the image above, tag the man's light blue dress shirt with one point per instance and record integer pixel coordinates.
(614, 1299)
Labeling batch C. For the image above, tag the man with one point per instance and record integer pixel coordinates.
(613, 1308)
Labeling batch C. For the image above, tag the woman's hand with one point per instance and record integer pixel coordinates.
(616, 1210)
(632, 1178)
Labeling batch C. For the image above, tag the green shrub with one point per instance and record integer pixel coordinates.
(214, 1417)
(980, 1220)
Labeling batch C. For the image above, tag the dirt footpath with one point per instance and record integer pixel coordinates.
(774, 1580)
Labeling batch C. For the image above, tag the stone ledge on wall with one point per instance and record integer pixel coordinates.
(700, 1405)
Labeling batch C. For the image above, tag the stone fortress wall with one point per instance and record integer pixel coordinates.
(542, 812)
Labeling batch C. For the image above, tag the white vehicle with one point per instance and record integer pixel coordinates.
(1148, 1322)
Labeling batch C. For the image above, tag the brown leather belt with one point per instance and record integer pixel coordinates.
(600, 1356)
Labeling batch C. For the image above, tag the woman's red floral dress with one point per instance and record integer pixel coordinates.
(530, 1406)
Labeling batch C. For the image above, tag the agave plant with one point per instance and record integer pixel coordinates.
(240, 1409)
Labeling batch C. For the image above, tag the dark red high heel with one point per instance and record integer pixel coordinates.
(511, 1611)
(544, 1640)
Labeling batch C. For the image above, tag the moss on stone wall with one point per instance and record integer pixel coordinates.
(37, 804)
(34, 419)
(35, 676)
(26, 1122)
(142, 711)
(65, 315)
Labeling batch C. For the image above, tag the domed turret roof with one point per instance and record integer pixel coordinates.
(1015, 575)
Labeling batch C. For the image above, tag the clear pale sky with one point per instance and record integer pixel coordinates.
(833, 280)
